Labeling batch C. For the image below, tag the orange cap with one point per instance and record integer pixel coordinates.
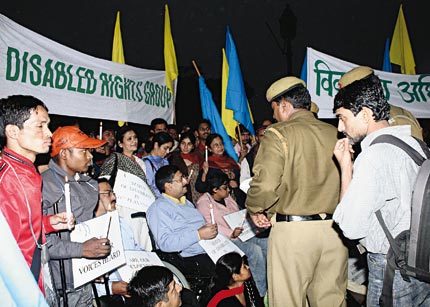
(72, 137)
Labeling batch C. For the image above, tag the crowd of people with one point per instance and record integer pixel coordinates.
(306, 192)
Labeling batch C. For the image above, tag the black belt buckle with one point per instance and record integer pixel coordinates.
(301, 218)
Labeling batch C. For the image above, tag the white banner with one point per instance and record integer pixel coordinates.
(107, 225)
(411, 92)
(75, 84)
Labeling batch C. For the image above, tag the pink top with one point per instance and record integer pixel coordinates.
(203, 205)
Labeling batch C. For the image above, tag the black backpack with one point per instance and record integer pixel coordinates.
(410, 251)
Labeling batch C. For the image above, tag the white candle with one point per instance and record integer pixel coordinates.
(243, 220)
(101, 131)
(206, 153)
(190, 174)
(212, 213)
(68, 204)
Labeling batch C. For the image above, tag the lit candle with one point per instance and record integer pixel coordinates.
(68, 204)
(101, 131)
(212, 213)
(206, 153)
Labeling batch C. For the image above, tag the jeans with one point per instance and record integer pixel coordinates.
(256, 251)
(414, 293)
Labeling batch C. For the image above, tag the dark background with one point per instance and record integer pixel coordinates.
(271, 37)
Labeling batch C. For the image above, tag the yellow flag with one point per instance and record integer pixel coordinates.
(401, 49)
(170, 64)
(117, 49)
(226, 114)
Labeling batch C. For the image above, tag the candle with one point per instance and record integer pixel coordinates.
(243, 220)
(206, 153)
(190, 174)
(68, 204)
(212, 213)
(101, 131)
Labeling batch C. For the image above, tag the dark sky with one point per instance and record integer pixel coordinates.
(354, 31)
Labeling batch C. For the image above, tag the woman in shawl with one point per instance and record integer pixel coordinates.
(219, 161)
(125, 161)
(189, 162)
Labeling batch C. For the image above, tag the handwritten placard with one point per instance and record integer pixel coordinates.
(85, 270)
(135, 260)
(132, 192)
(219, 246)
(236, 220)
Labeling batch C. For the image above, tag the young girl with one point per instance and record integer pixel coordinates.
(233, 285)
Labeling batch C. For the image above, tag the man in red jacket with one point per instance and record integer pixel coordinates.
(24, 127)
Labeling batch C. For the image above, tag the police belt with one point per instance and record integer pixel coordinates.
(301, 218)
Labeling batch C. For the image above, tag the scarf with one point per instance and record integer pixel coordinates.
(223, 163)
(193, 156)
(225, 294)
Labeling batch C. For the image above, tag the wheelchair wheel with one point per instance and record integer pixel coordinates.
(181, 278)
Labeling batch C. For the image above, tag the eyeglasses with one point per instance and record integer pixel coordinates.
(108, 192)
(180, 180)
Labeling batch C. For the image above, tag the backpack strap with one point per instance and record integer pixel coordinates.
(415, 155)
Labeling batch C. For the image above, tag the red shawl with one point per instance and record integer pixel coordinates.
(225, 294)
(194, 157)
(223, 163)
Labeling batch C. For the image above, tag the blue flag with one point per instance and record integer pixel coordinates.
(304, 72)
(386, 65)
(211, 113)
(236, 97)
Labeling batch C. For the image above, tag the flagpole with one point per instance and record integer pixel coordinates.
(239, 133)
(196, 68)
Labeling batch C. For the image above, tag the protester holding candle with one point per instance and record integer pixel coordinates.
(219, 161)
(215, 204)
(24, 126)
(189, 162)
(71, 158)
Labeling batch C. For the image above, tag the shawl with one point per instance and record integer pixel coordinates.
(223, 294)
(223, 163)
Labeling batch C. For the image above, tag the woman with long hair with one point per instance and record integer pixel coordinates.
(232, 284)
(189, 162)
(125, 160)
(158, 148)
(220, 161)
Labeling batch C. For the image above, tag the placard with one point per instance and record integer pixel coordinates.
(85, 270)
(236, 219)
(135, 260)
(132, 192)
(219, 246)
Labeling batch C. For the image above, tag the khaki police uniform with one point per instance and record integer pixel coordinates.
(297, 183)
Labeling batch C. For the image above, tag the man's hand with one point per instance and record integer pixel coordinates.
(209, 231)
(120, 288)
(260, 220)
(344, 152)
(96, 248)
(59, 221)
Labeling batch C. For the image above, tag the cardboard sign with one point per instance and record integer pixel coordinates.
(132, 192)
(219, 246)
(239, 219)
(135, 260)
(85, 270)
